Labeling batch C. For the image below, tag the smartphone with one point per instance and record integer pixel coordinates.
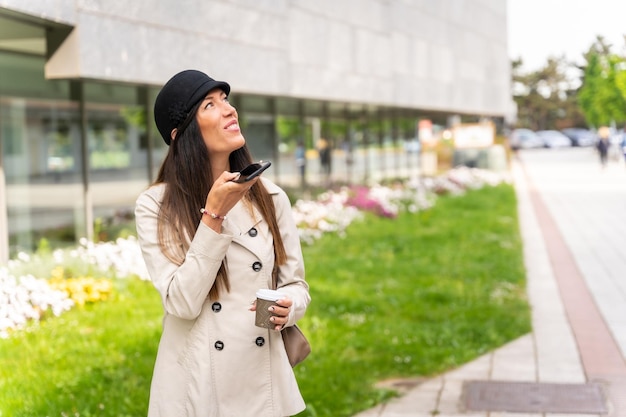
(253, 171)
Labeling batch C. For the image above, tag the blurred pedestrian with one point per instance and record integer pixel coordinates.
(347, 150)
(209, 244)
(300, 156)
(324, 151)
(603, 144)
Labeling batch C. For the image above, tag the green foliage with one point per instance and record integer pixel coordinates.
(414, 296)
(545, 97)
(291, 130)
(334, 129)
(44, 247)
(550, 98)
(134, 116)
(109, 159)
(620, 77)
(601, 99)
(587, 95)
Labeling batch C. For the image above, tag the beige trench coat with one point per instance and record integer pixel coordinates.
(212, 360)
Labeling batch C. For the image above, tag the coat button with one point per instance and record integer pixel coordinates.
(257, 266)
(253, 232)
(217, 307)
(219, 345)
(260, 341)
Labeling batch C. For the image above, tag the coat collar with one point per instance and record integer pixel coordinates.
(240, 222)
(271, 188)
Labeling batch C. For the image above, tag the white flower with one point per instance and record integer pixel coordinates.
(27, 298)
(24, 297)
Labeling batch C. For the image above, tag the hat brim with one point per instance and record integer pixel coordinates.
(204, 89)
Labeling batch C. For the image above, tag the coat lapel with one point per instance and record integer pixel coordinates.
(241, 225)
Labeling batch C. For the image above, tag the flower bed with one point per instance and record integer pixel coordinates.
(35, 286)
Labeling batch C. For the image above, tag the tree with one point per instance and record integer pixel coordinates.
(545, 98)
(602, 95)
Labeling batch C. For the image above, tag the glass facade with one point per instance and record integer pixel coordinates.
(74, 154)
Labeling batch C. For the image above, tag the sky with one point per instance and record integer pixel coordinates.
(539, 29)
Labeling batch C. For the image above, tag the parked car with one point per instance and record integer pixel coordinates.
(524, 139)
(579, 136)
(554, 139)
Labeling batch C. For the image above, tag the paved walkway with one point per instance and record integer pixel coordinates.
(573, 223)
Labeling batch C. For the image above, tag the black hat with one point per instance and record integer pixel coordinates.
(178, 96)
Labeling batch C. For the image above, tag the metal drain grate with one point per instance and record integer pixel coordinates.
(529, 397)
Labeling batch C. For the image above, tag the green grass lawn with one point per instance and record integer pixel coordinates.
(408, 297)
(92, 361)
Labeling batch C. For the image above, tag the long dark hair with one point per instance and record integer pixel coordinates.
(187, 172)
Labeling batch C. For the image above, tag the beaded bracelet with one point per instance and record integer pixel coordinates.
(213, 215)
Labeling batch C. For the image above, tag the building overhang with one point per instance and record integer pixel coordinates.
(32, 35)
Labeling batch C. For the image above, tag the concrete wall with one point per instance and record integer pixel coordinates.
(448, 55)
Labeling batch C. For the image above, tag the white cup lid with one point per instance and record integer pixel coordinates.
(271, 295)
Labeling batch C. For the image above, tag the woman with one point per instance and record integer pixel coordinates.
(209, 244)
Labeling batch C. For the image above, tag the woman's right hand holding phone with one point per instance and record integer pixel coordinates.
(223, 196)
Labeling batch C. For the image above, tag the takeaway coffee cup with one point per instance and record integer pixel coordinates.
(265, 299)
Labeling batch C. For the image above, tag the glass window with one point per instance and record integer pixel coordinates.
(43, 187)
(41, 140)
(254, 104)
(260, 137)
(116, 124)
(23, 76)
(287, 106)
(313, 108)
(159, 147)
(109, 136)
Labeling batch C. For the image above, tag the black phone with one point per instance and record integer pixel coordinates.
(252, 171)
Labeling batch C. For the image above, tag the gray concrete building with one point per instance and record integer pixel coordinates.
(78, 80)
